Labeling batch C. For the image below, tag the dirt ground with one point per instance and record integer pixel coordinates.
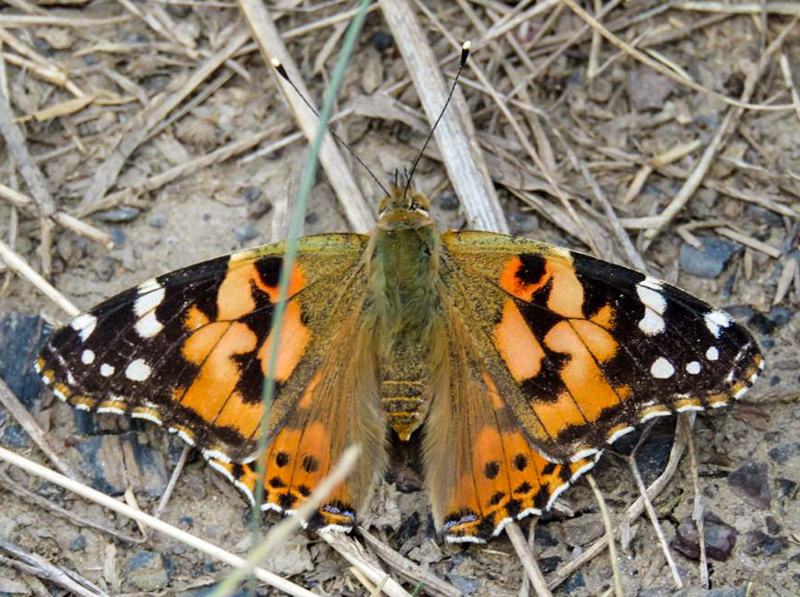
(613, 123)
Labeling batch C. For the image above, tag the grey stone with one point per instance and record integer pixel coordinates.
(710, 260)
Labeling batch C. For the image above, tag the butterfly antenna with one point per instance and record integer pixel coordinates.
(276, 64)
(465, 47)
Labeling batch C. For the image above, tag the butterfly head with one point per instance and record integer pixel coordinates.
(403, 207)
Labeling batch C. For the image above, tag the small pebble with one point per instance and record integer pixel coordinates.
(549, 564)
(78, 543)
(750, 482)
(783, 453)
(448, 201)
(785, 488)
(245, 232)
(382, 41)
(148, 571)
(720, 538)
(157, 220)
(773, 528)
(118, 214)
(757, 543)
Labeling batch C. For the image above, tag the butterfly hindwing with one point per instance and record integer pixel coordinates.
(189, 350)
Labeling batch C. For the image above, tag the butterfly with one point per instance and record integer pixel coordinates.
(515, 362)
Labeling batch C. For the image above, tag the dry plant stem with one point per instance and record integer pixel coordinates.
(152, 522)
(612, 544)
(455, 134)
(720, 136)
(173, 480)
(15, 262)
(632, 513)
(786, 71)
(654, 64)
(106, 176)
(753, 8)
(354, 553)
(528, 561)
(59, 21)
(788, 274)
(356, 208)
(17, 410)
(412, 572)
(37, 566)
(79, 521)
(698, 513)
(64, 219)
(34, 179)
(524, 589)
(651, 512)
(751, 242)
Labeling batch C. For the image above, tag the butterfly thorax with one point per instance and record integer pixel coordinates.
(403, 292)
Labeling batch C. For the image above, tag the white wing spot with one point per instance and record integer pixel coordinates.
(712, 354)
(652, 323)
(84, 325)
(151, 293)
(106, 370)
(715, 321)
(87, 357)
(138, 370)
(649, 292)
(148, 326)
(662, 368)
(693, 368)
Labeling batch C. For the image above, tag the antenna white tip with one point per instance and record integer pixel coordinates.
(466, 46)
(276, 63)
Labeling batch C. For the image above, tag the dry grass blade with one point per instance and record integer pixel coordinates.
(698, 511)
(19, 265)
(455, 133)
(354, 553)
(357, 210)
(651, 512)
(415, 574)
(612, 544)
(528, 560)
(152, 522)
(37, 566)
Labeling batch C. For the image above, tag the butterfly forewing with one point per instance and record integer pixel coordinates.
(189, 350)
(583, 349)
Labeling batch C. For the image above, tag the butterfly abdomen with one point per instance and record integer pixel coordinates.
(404, 269)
